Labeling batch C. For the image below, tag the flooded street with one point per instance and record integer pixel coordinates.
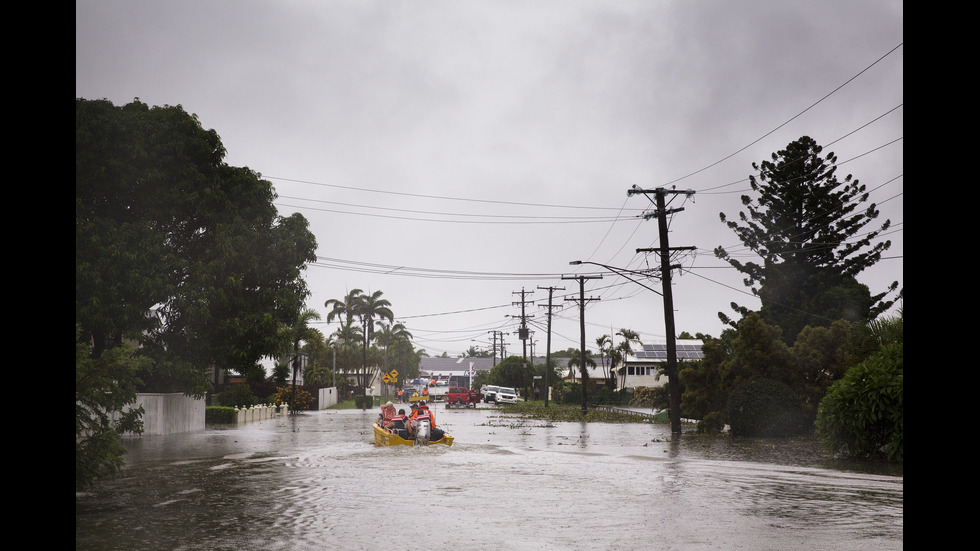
(316, 481)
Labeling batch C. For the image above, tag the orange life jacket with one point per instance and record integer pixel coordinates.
(423, 413)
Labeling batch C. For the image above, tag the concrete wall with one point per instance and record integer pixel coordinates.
(170, 413)
(328, 397)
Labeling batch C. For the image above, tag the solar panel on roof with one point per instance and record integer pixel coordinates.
(658, 351)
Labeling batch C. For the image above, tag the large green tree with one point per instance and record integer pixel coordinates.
(177, 251)
(811, 232)
(756, 352)
(403, 357)
(509, 372)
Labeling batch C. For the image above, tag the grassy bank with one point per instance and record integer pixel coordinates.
(568, 412)
(556, 412)
(346, 404)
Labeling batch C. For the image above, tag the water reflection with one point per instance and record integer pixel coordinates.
(316, 481)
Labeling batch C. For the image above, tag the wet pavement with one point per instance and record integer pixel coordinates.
(316, 481)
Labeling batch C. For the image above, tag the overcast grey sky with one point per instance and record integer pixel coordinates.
(451, 153)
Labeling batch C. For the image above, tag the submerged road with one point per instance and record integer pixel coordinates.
(316, 481)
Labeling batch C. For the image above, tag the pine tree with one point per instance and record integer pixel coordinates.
(807, 228)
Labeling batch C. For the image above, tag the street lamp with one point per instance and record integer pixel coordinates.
(618, 271)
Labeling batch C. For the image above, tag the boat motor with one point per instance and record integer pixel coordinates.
(422, 431)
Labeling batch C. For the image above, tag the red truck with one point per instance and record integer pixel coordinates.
(462, 397)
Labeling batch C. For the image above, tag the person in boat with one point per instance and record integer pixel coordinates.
(410, 420)
(387, 413)
(399, 424)
(423, 412)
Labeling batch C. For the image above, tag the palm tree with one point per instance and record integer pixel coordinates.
(316, 349)
(576, 359)
(345, 308)
(625, 348)
(389, 334)
(603, 343)
(368, 308)
(301, 331)
(347, 311)
(346, 335)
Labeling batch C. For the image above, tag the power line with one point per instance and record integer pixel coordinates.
(794, 117)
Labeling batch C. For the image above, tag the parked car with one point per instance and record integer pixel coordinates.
(460, 396)
(505, 395)
(408, 392)
(489, 393)
(499, 394)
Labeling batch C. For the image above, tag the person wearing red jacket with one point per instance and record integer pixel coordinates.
(387, 413)
(424, 413)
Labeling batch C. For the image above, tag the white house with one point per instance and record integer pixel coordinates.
(647, 366)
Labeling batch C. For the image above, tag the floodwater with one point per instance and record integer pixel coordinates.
(316, 481)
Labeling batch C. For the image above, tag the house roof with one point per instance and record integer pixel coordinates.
(453, 366)
(656, 352)
(456, 366)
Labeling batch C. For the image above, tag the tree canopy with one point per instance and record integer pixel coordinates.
(510, 372)
(812, 239)
(176, 250)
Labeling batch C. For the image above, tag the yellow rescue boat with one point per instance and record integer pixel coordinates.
(383, 437)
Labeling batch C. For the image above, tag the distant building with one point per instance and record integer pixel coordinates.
(598, 374)
(648, 366)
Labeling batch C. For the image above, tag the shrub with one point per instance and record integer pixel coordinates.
(642, 396)
(862, 414)
(711, 424)
(301, 400)
(364, 402)
(764, 407)
(220, 415)
(236, 395)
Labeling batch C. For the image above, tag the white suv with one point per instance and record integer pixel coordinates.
(506, 395)
(488, 393)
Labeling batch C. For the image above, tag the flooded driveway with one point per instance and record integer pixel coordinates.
(316, 481)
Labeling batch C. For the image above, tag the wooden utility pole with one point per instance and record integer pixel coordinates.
(673, 376)
(583, 368)
(523, 334)
(495, 346)
(547, 358)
